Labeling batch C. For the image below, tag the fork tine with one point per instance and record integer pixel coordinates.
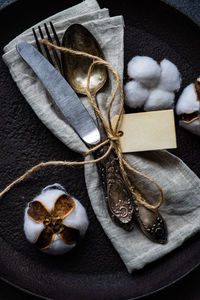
(56, 57)
(36, 40)
(55, 34)
(45, 47)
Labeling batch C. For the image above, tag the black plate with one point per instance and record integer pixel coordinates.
(93, 270)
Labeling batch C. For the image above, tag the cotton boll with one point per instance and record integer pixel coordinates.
(188, 106)
(153, 84)
(145, 70)
(188, 101)
(158, 100)
(170, 79)
(135, 94)
(77, 219)
(74, 219)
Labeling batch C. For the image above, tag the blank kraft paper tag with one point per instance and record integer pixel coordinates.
(147, 131)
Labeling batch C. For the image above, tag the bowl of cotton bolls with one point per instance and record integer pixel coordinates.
(152, 85)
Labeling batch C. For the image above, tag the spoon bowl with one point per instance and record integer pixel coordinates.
(75, 68)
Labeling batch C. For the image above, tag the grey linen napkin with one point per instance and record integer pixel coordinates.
(181, 186)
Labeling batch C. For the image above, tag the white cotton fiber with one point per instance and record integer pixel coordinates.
(159, 99)
(170, 78)
(145, 70)
(153, 85)
(187, 102)
(135, 94)
(77, 219)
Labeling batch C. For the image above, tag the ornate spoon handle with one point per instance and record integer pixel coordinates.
(122, 205)
(118, 197)
(117, 194)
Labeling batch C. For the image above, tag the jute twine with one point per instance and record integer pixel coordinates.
(112, 133)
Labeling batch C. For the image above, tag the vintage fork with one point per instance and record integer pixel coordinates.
(55, 61)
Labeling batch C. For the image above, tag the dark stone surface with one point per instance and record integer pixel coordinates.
(185, 289)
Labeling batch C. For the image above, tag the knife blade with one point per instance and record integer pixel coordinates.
(61, 92)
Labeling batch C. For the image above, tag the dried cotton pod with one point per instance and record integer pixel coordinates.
(55, 221)
(188, 107)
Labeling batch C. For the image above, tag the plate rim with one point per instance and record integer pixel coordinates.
(194, 21)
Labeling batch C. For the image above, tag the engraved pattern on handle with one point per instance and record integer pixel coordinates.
(118, 197)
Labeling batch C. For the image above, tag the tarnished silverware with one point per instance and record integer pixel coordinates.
(123, 206)
(150, 221)
(75, 70)
(55, 60)
(122, 215)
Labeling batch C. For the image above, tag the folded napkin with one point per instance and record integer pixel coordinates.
(181, 186)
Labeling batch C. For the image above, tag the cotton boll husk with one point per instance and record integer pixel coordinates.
(193, 127)
(170, 78)
(77, 219)
(58, 247)
(188, 101)
(145, 70)
(158, 100)
(135, 94)
(31, 228)
(48, 197)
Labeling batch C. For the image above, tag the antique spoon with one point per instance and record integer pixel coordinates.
(122, 206)
(75, 70)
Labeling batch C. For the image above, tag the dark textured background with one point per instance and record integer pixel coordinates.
(185, 289)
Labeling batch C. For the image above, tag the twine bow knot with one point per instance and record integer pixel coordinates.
(113, 138)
